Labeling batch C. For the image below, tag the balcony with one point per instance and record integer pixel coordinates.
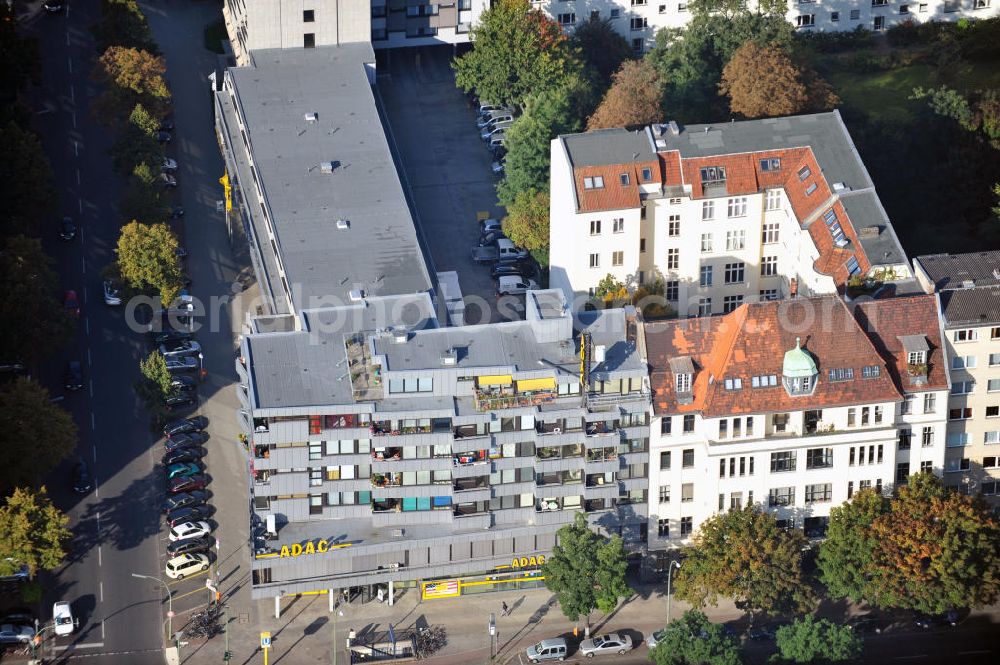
(502, 392)
(595, 505)
(602, 454)
(471, 457)
(602, 428)
(470, 509)
(390, 428)
(559, 478)
(600, 479)
(469, 432)
(557, 503)
(466, 484)
(387, 480)
(261, 426)
(605, 401)
(387, 506)
(261, 452)
(386, 454)
(558, 452)
(557, 427)
(366, 376)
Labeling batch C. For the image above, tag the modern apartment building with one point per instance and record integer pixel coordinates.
(723, 214)
(792, 405)
(969, 288)
(292, 24)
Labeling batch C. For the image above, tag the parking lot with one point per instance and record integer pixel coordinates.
(446, 167)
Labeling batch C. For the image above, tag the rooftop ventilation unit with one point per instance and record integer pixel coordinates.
(343, 225)
(869, 231)
(840, 187)
(449, 357)
(968, 284)
(674, 129)
(312, 117)
(357, 295)
(326, 167)
(400, 335)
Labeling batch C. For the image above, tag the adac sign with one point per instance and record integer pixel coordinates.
(527, 561)
(311, 547)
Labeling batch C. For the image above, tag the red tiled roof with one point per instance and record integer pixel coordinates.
(833, 260)
(741, 174)
(752, 341)
(614, 195)
(891, 318)
(671, 161)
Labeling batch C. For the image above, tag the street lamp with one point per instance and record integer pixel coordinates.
(201, 366)
(670, 570)
(170, 601)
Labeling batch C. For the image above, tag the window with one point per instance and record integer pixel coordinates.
(969, 335)
(841, 374)
(930, 402)
(642, 245)
(880, 3)
(729, 303)
(671, 290)
(616, 13)
(772, 200)
(595, 182)
(926, 467)
(663, 528)
(904, 9)
(664, 460)
(682, 383)
(957, 439)
(713, 175)
(956, 465)
(687, 492)
(618, 225)
(995, 333)
(704, 306)
(927, 437)
(853, 268)
(687, 525)
(705, 278)
(666, 423)
(736, 240)
(951, 6)
(962, 387)
(765, 381)
(624, 179)
(781, 496)
(308, 16)
(706, 242)
(674, 226)
(768, 294)
(595, 227)
(733, 383)
(647, 173)
(805, 20)
(990, 462)
(769, 235)
(855, 14)
(820, 493)
(772, 164)
(963, 362)
(769, 266)
(903, 439)
(617, 258)
(834, 16)
(664, 494)
(980, 4)
(783, 461)
(992, 411)
(737, 207)
(595, 260)
(870, 372)
(915, 357)
(567, 19)
(819, 458)
(734, 273)
(707, 210)
(687, 458)
(804, 173)
(673, 259)
(689, 419)
(723, 433)
(309, 40)
(852, 417)
(993, 385)
(959, 414)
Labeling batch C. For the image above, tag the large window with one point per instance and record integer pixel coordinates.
(819, 458)
(411, 385)
(782, 461)
(735, 273)
(781, 496)
(820, 493)
(687, 458)
(737, 207)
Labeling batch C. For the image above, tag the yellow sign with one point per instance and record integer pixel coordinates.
(321, 546)
(265, 640)
(440, 589)
(527, 561)
(224, 181)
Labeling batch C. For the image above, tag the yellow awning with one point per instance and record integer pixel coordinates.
(495, 380)
(536, 384)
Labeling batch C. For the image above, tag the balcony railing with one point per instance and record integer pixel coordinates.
(387, 480)
(387, 455)
(492, 401)
(602, 429)
(598, 400)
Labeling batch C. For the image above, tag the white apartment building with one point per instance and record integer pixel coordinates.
(969, 289)
(723, 214)
(792, 405)
(266, 24)
(639, 20)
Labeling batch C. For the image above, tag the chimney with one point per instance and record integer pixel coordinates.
(674, 129)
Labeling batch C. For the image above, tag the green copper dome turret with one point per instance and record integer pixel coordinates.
(798, 363)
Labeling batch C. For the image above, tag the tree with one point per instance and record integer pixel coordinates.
(764, 81)
(137, 143)
(147, 257)
(937, 550)
(810, 640)
(144, 195)
(131, 76)
(35, 434)
(694, 640)
(546, 116)
(25, 182)
(19, 60)
(978, 113)
(527, 220)
(156, 384)
(743, 554)
(518, 51)
(846, 556)
(602, 48)
(33, 322)
(586, 571)
(612, 291)
(633, 99)
(33, 532)
(123, 24)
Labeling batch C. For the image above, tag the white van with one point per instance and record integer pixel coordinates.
(514, 285)
(498, 140)
(493, 130)
(551, 649)
(494, 118)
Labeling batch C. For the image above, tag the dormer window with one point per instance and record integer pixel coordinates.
(734, 383)
(798, 371)
(624, 179)
(916, 357)
(595, 182)
(682, 368)
(683, 383)
(916, 348)
(798, 386)
(773, 164)
(713, 175)
(647, 174)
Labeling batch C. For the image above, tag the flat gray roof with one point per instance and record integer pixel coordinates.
(609, 146)
(953, 271)
(378, 253)
(882, 245)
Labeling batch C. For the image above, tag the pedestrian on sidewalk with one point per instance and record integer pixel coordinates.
(506, 610)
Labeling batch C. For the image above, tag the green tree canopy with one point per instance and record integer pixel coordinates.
(33, 532)
(131, 76)
(811, 640)
(694, 640)
(847, 556)
(123, 24)
(603, 49)
(978, 112)
(586, 571)
(35, 434)
(155, 385)
(742, 554)
(937, 550)
(518, 51)
(527, 220)
(137, 145)
(28, 198)
(19, 61)
(147, 257)
(633, 98)
(144, 199)
(33, 322)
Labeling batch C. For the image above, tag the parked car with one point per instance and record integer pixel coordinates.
(489, 224)
(198, 513)
(185, 440)
(655, 638)
(168, 180)
(166, 336)
(19, 616)
(183, 469)
(180, 401)
(112, 295)
(554, 648)
(14, 634)
(502, 269)
(602, 644)
(189, 530)
(180, 347)
(168, 165)
(186, 484)
(949, 619)
(67, 229)
(498, 129)
(81, 476)
(71, 303)
(166, 125)
(62, 618)
(503, 249)
(53, 6)
(866, 623)
(185, 425)
(182, 364)
(498, 140)
(73, 375)
(190, 546)
(181, 253)
(493, 117)
(184, 500)
(490, 238)
(766, 631)
(176, 212)
(499, 165)
(184, 383)
(163, 137)
(507, 286)
(183, 455)
(186, 564)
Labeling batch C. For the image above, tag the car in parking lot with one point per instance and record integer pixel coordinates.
(184, 383)
(163, 137)
(180, 347)
(186, 484)
(185, 426)
(190, 514)
(554, 648)
(489, 238)
(183, 565)
(67, 229)
(507, 268)
(19, 616)
(489, 224)
(493, 118)
(185, 440)
(15, 634)
(182, 469)
(81, 477)
(181, 364)
(190, 546)
(178, 501)
(73, 375)
(499, 165)
(62, 618)
(168, 165)
(71, 303)
(515, 285)
(53, 6)
(949, 619)
(167, 336)
(603, 644)
(499, 129)
(866, 623)
(498, 140)
(168, 180)
(112, 294)
(189, 530)
(183, 455)
(180, 400)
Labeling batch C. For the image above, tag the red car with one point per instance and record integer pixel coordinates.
(71, 303)
(178, 485)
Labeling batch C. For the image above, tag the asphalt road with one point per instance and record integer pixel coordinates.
(117, 527)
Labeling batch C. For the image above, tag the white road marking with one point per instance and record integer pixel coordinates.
(101, 587)
(85, 290)
(76, 151)
(974, 653)
(100, 560)
(919, 655)
(98, 522)
(72, 95)
(83, 267)
(67, 34)
(85, 645)
(88, 358)
(92, 395)
(69, 61)
(102, 629)
(97, 494)
(86, 327)
(81, 235)
(93, 427)
(79, 204)
(95, 452)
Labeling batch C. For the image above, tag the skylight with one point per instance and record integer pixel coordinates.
(734, 383)
(841, 374)
(804, 173)
(764, 381)
(870, 371)
(833, 224)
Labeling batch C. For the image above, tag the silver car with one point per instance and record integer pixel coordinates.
(602, 644)
(183, 347)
